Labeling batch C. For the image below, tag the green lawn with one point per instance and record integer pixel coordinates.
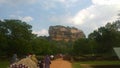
(77, 64)
(4, 64)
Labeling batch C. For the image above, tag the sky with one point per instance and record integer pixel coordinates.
(86, 15)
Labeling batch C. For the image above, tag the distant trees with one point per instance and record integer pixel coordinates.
(16, 37)
(99, 42)
(107, 37)
(64, 47)
(43, 46)
(81, 47)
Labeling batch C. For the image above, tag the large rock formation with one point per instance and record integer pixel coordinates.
(62, 33)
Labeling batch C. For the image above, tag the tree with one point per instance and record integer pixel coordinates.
(93, 47)
(107, 37)
(81, 47)
(3, 39)
(42, 46)
(18, 35)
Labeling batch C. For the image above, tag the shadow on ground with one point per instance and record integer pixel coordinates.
(99, 66)
(106, 66)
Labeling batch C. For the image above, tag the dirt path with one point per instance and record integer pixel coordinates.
(59, 63)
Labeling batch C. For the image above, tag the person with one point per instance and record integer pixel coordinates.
(14, 59)
(33, 58)
(40, 64)
(52, 57)
(47, 61)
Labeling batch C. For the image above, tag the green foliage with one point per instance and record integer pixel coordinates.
(100, 42)
(15, 37)
(107, 37)
(76, 65)
(42, 46)
(97, 63)
(4, 64)
(81, 47)
(64, 47)
(100, 62)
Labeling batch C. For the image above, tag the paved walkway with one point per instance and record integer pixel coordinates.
(59, 63)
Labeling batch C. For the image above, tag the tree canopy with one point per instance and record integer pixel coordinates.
(107, 36)
(15, 36)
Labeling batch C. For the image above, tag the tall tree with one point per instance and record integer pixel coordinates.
(18, 35)
(107, 37)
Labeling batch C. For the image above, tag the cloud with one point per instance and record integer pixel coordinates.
(24, 18)
(16, 2)
(48, 4)
(45, 4)
(27, 19)
(61, 18)
(97, 14)
(68, 3)
(2, 1)
(106, 2)
(42, 32)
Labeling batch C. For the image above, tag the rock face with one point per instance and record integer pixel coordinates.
(62, 33)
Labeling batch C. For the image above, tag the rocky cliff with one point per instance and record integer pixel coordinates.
(62, 33)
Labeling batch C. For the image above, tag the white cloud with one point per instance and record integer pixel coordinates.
(68, 3)
(16, 2)
(47, 4)
(96, 15)
(42, 32)
(61, 19)
(106, 2)
(81, 16)
(25, 18)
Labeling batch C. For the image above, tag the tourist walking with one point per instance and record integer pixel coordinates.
(41, 64)
(14, 59)
(47, 61)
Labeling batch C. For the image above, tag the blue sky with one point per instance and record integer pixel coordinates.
(86, 15)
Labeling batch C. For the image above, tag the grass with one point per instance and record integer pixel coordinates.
(4, 64)
(77, 64)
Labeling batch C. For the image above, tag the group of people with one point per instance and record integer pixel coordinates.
(44, 63)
